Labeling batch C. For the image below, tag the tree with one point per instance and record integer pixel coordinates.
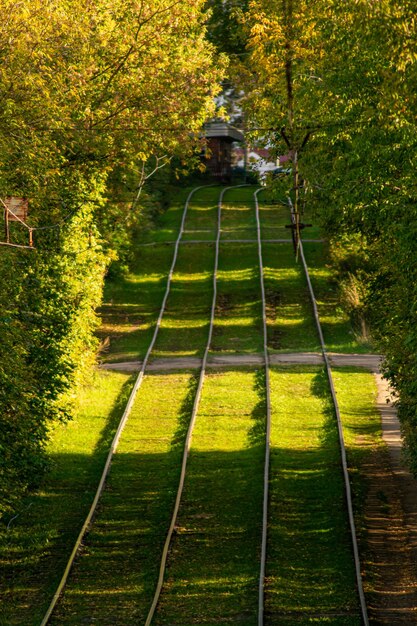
(353, 88)
(86, 88)
(284, 67)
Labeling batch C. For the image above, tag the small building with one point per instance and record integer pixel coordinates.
(16, 208)
(220, 136)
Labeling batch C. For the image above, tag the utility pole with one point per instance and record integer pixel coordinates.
(6, 225)
(294, 147)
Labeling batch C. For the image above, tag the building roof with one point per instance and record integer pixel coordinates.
(223, 129)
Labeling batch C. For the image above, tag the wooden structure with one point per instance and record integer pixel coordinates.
(220, 137)
(16, 209)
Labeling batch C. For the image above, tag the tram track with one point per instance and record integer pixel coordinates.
(191, 424)
(348, 490)
(122, 423)
(266, 363)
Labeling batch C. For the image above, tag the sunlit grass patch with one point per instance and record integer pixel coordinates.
(184, 326)
(214, 560)
(38, 542)
(238, 324)
(121, 554)
(337, 329)
(202, 213)
(289, 311)
(361, 424)
(310, 569)
(131, 305)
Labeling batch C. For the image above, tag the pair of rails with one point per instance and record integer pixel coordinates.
(187, 445)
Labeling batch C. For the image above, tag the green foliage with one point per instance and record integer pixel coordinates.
(224, 28)
(353, 68)
(91, 95)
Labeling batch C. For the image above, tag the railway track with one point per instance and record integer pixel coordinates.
(264, 521)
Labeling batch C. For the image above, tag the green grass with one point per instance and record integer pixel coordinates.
(202, 215)
(356, 395)
(131, 304)
(289, 311)
(37, 544)
(337, 329)
(273, 218)
(185, 324)
(214, 560)
(213, 566)
(115, 575)
(238, 214)
(167, 225)
(238, 324)
(310, 571)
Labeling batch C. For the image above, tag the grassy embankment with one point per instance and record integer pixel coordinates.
(36, 542)
(114, 575)
(130, 528)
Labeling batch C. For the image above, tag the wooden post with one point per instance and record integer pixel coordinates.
(6, 225)
(296, 201)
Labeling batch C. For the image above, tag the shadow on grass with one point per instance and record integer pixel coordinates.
(310, 570)
(320, 389)
(36, 547)
(185, 413)
(214, 555)
(214, 559)
(257, 434)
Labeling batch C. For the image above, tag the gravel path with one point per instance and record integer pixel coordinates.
(367, 361)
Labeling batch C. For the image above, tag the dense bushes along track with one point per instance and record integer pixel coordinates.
(214, 557)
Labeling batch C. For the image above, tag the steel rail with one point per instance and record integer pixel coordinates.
(196, 404)
(261, 589)
(122, 423)
(348, 492)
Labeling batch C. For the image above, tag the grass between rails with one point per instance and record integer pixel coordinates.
(202, 215)
(168, 224)
(276, 215)
(214, 560)
(238, 323)
(115, 576)
(273, 218)
(132, 302)
(37, 544)
(356, 394)
(310, 571)
(238, 214)
(185, 324)
(291, 325)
